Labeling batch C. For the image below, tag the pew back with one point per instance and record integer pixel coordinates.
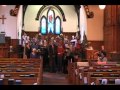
(29, 71)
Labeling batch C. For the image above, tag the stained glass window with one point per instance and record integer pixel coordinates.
(50, 18)
(57, 25)
(50, 23)
(43, 25)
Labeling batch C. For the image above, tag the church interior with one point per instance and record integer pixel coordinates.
(59, 45)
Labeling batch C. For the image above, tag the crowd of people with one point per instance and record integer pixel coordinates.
(56, 51)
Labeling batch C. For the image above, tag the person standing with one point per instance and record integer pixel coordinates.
(24, 39)
(60, 55)
(51, 55)
(102, 55)
(33, 53)
(66, 59)
(27, 50)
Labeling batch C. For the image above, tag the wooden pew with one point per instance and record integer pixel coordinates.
(76, 72)
(72, 71)
(95, 76)
(20, 68)
(24, 81)
(101, 72)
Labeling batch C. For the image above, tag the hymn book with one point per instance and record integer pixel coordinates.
(104, 82)
(18, 82)
(117, 81)
(11, 81)
(85, 80)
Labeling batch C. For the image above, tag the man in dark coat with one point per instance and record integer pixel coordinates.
(52, 51)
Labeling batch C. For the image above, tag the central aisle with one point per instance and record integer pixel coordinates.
(54, 79)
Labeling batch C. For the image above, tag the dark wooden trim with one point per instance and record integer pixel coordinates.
(96, 44)
(33, 34)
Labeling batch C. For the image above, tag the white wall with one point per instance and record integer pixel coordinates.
(71, 24)
(10, 24)
(30, 24)
(95, 25)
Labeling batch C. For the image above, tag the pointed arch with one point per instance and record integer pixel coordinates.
(56, 6)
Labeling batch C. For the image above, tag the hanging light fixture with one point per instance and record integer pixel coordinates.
(102, 6)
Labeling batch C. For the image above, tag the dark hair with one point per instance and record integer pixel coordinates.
(99, 54)
(102, 52)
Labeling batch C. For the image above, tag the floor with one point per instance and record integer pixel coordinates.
(55, 79)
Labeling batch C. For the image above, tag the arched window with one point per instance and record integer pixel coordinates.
(57, 25)
(43, 25)
(50, 23)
